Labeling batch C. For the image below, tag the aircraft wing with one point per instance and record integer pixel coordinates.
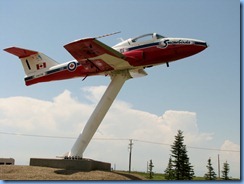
(98, 54)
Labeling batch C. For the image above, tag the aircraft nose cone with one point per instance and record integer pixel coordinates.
(188, 47)
(201, 43)
(198, 45)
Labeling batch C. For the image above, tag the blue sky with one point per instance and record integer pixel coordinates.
(204, 87)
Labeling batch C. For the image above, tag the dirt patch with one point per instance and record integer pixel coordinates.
(10, 172)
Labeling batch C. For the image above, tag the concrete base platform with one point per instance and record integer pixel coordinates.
(81, 165)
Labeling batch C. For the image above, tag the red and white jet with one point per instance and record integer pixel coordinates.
(123, 61)
(93, 57)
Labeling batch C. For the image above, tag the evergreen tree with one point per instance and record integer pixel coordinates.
(169, 171)
(150, 169)
(182, 167)
(225, 172)
(210, 175)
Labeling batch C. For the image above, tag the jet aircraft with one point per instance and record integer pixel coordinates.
(93, 57)
(121, 62)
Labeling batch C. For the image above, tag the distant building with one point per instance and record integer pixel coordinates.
(6, 161)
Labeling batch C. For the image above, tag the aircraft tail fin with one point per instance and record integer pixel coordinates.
(33, 62)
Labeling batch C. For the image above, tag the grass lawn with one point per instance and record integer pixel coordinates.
(159, 176)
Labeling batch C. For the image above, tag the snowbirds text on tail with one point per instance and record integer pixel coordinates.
(121, 62)
(93, 57)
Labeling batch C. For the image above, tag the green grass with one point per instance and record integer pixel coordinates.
(160, 176)
(156, 176)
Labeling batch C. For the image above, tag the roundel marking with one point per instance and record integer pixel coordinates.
(72, 66)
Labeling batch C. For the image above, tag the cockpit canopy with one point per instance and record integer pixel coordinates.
(143, 39)
(147, 37)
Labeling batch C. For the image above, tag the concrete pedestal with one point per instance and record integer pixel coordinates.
(81, 165)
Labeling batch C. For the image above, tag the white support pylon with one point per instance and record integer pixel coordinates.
(117, 81)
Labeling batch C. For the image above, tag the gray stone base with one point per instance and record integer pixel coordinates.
(81, 164)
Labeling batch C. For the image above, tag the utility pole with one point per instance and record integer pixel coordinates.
(218, 167)
(130, 149)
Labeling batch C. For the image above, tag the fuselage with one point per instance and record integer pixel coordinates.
(153, 49)
(140, 52)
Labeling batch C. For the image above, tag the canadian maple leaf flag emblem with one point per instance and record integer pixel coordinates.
(41, 66)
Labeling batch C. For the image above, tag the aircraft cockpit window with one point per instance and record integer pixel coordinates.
(147, 38)
(143, 38)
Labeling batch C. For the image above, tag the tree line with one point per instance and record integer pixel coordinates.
(180, 168)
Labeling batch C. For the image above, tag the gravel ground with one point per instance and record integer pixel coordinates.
(13, 172)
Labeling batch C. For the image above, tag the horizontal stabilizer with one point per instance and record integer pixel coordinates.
(20, 52)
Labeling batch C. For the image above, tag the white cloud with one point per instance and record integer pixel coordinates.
(23, 112)
(93, 93)
(66, 116)
(231, 155)
(62, 115)
(143, 125)
(228, 145)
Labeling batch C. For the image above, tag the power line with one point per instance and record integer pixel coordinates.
(59, 137)
(32, 135)
(112, 139)
(151, 142)
(192, 147)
